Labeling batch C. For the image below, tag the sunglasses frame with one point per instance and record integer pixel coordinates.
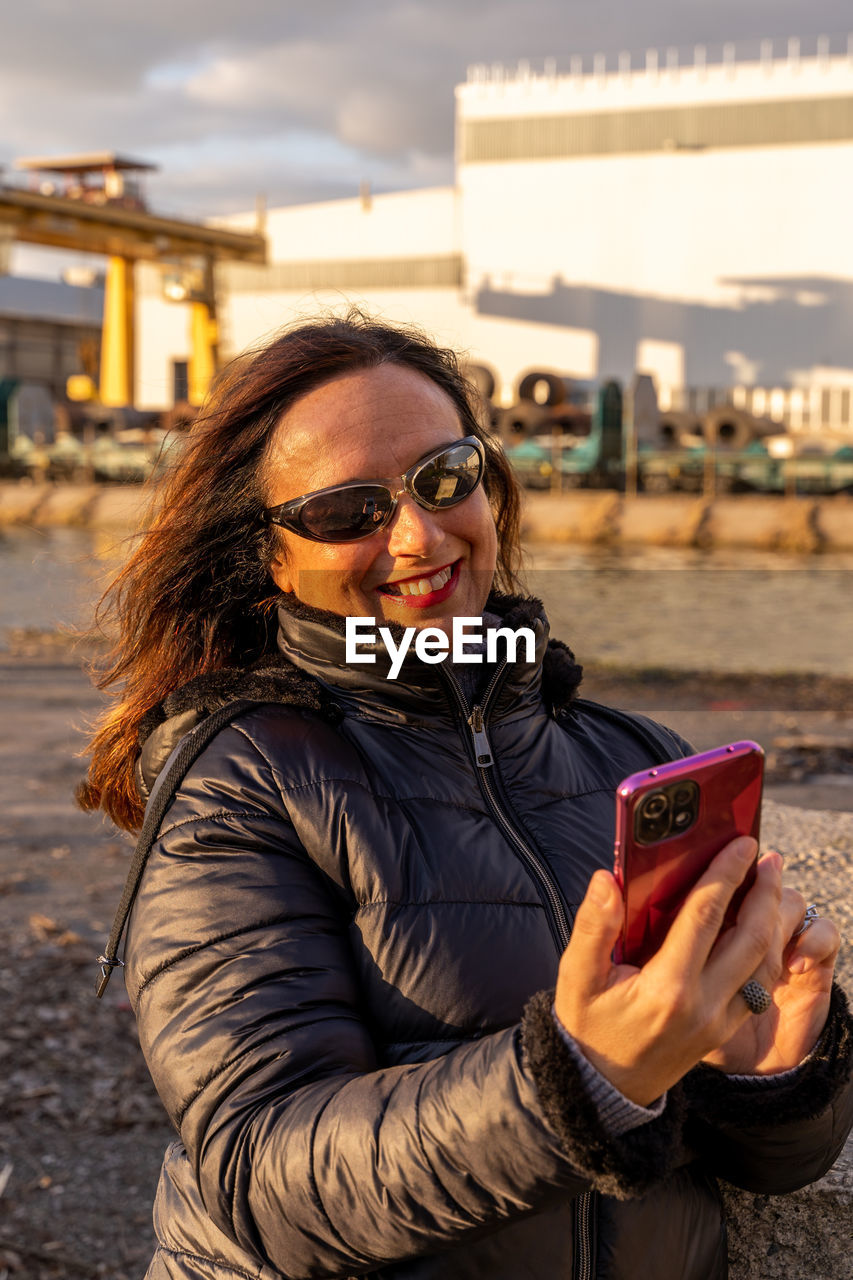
(287, 515)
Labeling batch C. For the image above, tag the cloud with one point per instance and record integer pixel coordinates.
(299, 76)
(392, 109)
(303, 99)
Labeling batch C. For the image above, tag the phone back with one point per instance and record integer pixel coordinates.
(671, 821)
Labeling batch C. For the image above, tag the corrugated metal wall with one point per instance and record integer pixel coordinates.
(40, 351)
(441, 271)
(713, 125)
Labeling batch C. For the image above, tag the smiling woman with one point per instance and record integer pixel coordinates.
(349, 952)
(431, 557)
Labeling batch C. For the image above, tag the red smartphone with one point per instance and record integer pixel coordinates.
(671, 821)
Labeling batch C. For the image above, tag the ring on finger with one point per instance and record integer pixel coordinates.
(809, 918)
(756, 997)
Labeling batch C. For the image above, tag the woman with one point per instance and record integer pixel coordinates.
(344, 945)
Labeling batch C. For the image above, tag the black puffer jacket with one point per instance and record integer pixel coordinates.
(335, 957)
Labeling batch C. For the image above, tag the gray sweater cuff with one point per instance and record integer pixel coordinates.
(617, 1113)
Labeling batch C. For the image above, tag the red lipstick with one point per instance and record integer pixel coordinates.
(431, 598)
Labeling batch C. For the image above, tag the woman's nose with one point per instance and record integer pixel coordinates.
(414, 530)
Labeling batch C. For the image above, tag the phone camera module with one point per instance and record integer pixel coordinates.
(666, 812)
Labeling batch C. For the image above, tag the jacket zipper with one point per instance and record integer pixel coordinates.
(584, 1206)
(584, 1229)
(484, 759)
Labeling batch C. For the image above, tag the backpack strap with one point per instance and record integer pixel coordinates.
(172, 775)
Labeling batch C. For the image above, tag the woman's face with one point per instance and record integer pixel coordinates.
(373, 425)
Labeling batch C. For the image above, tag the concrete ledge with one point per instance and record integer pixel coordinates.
(682, 520)
(576, 517)
(672, 520)
(806, 1233)
(773, 524)
(120, 506)
(19, 503)
(835, 521)
(87, 506)
(67, 505)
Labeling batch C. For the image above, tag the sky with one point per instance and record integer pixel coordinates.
(302, 101)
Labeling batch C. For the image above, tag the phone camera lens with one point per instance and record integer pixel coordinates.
(682, 818)
(655, 806)
(682, 797)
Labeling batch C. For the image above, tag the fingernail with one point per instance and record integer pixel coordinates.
(746, 849)
(600, 889)
(798, 964)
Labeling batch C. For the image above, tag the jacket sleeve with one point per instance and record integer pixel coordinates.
(308, 1152)
(771, 1137)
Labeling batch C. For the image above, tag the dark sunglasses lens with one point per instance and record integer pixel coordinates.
(449, 477)
(347, 514)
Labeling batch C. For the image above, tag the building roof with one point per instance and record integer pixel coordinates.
(50, 300)
(82, 162)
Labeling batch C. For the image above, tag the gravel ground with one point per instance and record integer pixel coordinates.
(81, 1129)
(808, 1233)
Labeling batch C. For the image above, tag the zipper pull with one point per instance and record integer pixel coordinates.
(482, 750)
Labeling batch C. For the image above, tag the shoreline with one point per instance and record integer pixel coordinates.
(807, 524)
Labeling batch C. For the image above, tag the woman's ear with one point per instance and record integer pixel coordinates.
(280, 571)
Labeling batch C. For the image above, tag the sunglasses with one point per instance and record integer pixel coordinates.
(348, 512)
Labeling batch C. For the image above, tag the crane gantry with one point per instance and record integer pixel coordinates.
(93, 203)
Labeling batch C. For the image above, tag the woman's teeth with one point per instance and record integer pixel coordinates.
(423, 586)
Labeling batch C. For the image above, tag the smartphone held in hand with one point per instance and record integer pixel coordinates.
(671, 821)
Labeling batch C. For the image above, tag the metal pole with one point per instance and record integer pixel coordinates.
(117, 341)
(631, 459)
(556, 458)
(204, 338)
(709, 485)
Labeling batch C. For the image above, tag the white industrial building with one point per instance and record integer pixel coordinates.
(692, 221)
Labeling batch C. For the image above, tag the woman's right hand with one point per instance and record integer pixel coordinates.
(643, 1029)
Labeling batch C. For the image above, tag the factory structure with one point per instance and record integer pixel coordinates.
(691, 221)
(686, 218)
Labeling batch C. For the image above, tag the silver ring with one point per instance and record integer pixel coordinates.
(757, 998)
(811, 915)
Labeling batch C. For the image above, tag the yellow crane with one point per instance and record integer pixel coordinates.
(93, 203)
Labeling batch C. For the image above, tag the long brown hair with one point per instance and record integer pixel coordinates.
(195, 595)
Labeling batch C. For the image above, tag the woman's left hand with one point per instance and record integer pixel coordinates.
(798, 974)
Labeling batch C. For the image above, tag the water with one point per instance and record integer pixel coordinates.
(52, 578)
(744, 611)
